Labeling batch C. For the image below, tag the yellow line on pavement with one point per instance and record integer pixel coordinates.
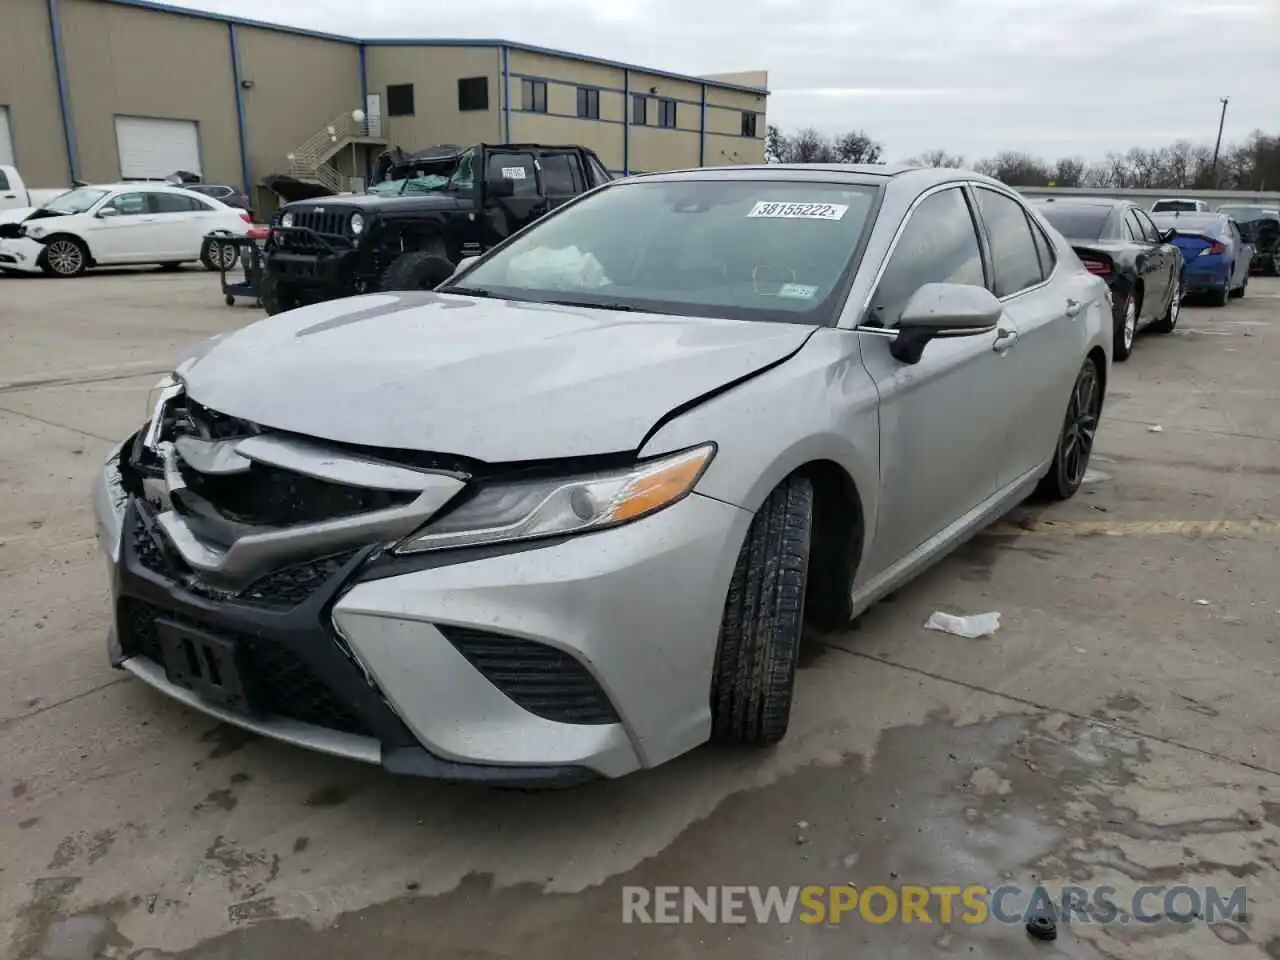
(1138, 528)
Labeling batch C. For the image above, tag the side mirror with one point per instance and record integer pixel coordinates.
(1168, 235)
(107, 212)
(941, 311)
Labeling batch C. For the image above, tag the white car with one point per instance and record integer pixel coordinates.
(122, 223)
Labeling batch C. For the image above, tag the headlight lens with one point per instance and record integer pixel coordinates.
(34, 232)
(286, 220)
(357, 223)
(547, 508)
(165, 390)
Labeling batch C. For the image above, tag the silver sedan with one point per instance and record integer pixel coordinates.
(565, 516)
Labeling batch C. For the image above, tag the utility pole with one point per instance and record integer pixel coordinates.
(1217, 147)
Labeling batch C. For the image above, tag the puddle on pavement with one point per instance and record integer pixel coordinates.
(1015, 800)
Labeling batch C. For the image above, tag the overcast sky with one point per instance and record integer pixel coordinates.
(1053, 77)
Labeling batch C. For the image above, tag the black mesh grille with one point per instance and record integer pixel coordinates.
(272, 497)
(284, 684)
(543, 680)
(332, 222)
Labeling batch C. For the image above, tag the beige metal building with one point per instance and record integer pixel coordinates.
(100, 90)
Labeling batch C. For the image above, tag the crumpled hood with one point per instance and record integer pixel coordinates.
(489, 379)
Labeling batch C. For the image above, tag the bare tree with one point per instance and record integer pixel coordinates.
(1069, 172)
(810, 146)
(776, 145)
(937, 158)
(1016, 169)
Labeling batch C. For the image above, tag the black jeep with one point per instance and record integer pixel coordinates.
(408, 231)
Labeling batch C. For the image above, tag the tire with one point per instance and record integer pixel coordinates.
(1275, 261)
(755, 666)
(218, 256)
(1126, 328)
(418, 270)
(1238, 293)
(1169, 321)
(276, 297)
(1075, 442)
(1220, 298)
(64, 256)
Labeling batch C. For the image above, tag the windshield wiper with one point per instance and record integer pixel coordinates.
(620, 307)
(467, 291)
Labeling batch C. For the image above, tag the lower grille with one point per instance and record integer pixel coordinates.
(285, 685)
(547, 682)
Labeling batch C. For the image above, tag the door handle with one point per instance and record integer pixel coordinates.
(1073, 307)
(1005, 338)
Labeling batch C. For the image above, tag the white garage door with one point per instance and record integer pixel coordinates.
(6, 139)
(152, 149)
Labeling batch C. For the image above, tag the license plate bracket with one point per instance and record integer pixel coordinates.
(210, 666)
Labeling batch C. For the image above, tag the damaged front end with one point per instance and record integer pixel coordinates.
(228, 546)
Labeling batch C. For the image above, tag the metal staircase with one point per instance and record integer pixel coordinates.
(310, 161)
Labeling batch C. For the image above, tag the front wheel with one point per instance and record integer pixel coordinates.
(755, 666)
(276, 297)
(417, 270)
(64, 257)
(1075, 442)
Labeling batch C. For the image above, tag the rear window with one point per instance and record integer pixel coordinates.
(746, 249)
(1209, 226)
(1174, 205)
(1077, 223)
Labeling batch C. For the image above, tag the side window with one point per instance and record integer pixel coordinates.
(1048, 258)
(561, 176)
(1149, 228)
(1143, 232)
(1131, 231)
(599, 174)
(1016, 262)
(516, 169)
(173, 203)
(938, 245)
(4, 180)
(130, 204)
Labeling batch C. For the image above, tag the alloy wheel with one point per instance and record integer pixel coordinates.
(1130, 322)
(222, 254)
(1174, 309)
(1081, 425)
(64, 258)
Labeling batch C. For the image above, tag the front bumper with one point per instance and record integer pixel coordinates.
(303, 257)
(20, 253)
(545, 664)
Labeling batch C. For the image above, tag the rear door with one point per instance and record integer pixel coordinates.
(181, 223)
(1044, 308)
(562, 178)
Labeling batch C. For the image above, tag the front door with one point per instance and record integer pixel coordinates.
(945, 421)
(129, 235)
(512, 194)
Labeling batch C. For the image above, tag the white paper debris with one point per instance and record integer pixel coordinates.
(1202, 603)
(1155, 428)
(1095, 476)
(979, 625)
(566, 269)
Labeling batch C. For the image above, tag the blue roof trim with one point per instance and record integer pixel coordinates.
(396, 42)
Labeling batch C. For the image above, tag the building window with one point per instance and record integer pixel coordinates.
(533, 96)
(473, 93)
(639, 109)
(589, 103)
(667, 113)
(749, 123)
(400, 100)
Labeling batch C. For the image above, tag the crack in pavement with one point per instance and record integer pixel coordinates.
(61, 426)
(73, 379)
(45, 708)
(1049, 708)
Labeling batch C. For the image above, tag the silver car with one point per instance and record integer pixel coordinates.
(564, 517)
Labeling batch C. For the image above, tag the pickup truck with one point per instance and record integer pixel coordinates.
(460, 206)
(16, 201)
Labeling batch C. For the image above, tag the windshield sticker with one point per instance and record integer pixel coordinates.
(513, 173)
(779, 210)
(799, 291)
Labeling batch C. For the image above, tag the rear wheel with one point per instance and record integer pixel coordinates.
(1075, 442)
(755, 667)
(64, 257)
(1126, 328)
(1170, 320)
(1238, 292)
(218, 256)
(276, 297)
(1219, 298)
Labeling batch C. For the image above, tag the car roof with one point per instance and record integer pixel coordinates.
(874, 174)
(1077, 202)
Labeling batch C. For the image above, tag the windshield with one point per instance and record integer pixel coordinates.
(75, 201)
(413, 185)
(743, 249)
(1079, 223)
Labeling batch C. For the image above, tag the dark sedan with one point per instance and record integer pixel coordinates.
(1260, 227)
(1118, 241)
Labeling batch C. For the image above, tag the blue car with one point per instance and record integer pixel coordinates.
(1215, 257)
